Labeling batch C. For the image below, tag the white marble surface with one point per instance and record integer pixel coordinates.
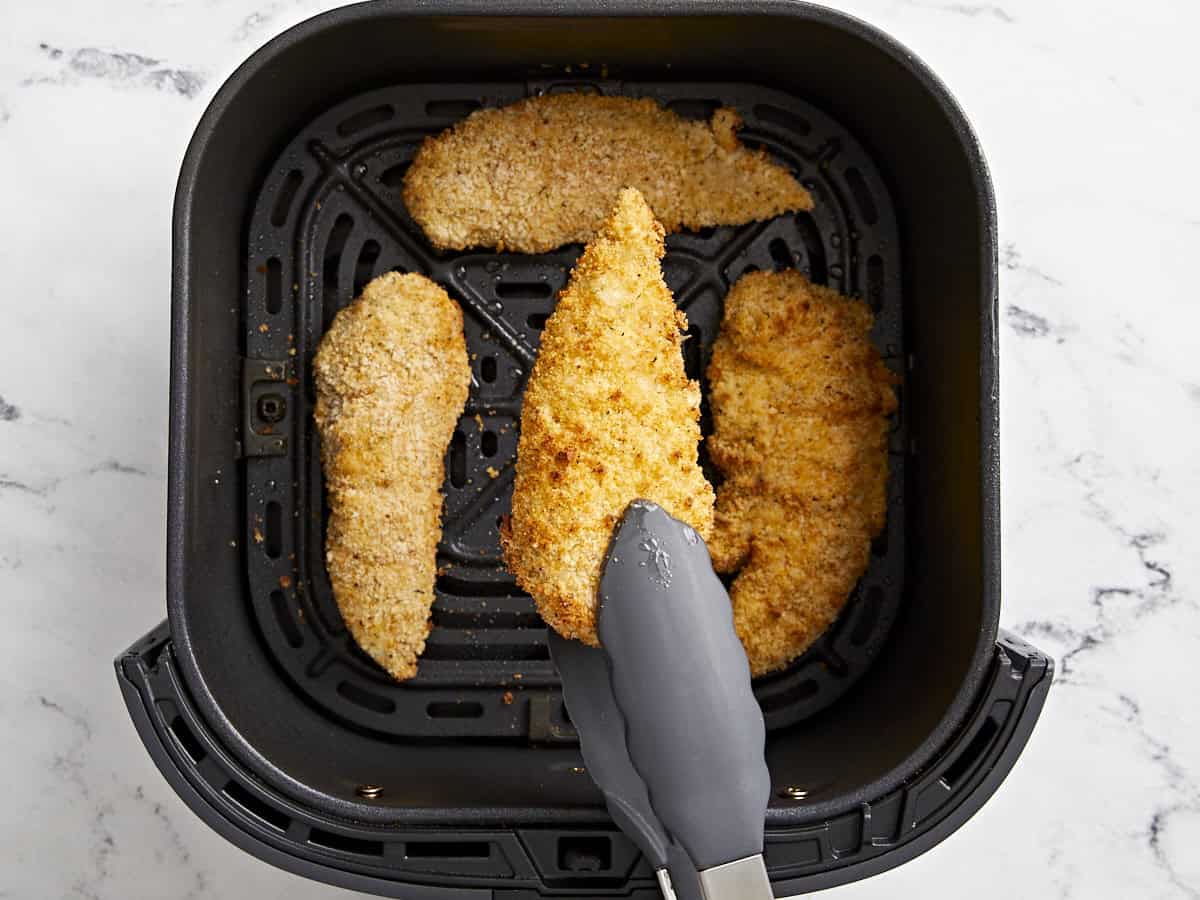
(1090, 119)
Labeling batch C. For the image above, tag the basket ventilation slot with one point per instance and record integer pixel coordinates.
(256, 806)
(333, 841)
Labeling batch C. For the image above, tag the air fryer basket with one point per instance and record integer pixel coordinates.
(258, 707)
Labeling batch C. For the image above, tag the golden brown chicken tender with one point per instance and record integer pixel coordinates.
(609, 417)
(392, 378)
(546, 171)
(800, 400)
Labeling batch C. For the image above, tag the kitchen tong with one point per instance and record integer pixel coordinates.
(668, 725)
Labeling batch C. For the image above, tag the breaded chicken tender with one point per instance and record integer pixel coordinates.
(800, 400)
(609, 417)
(546, 171)
(392, 378)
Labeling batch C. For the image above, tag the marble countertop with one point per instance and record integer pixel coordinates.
(1090, 124)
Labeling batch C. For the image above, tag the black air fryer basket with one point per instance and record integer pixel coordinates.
(467, 781)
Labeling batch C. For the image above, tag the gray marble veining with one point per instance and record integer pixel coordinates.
(1090, 129)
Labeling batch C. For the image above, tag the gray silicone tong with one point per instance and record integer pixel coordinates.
(668, 725)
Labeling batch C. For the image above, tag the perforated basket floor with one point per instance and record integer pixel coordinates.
(329, 218)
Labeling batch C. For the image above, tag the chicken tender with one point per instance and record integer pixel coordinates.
(392, 378)
(609, 417)
(546, 172)
(800, 400)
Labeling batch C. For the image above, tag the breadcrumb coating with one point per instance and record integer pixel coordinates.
(392, 377)
(800, 400)
(546, 171)
(609, 417)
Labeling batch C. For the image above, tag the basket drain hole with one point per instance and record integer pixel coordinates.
(537, 320)
(529, 649)
(272, 526)
(364, 698)
(368, 118)
(875, 283)
(489, 443)
(393, 176)
(693, 352)
(283, 615)
(283, 200)
(458, 460)
(461, 587)
(814, 247)
(467, 709)
(781, 253)
(331, 261)
(487, 369)
(699, 109)
(862, 196)
(781, 118)
(364, 268)
(451, 109)
(274, 286)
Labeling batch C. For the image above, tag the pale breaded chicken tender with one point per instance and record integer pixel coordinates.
(609, 417)
(546, 171)
(392, 378)
(800, 400)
